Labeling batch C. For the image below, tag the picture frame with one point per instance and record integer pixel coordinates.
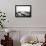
(23, 10)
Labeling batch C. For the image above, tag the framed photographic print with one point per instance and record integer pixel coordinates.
(23, 11)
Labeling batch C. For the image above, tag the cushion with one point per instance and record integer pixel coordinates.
(26, 39)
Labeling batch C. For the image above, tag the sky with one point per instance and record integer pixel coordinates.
(23, 8)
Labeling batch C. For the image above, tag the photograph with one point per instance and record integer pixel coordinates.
(22, 22)
(23, 10)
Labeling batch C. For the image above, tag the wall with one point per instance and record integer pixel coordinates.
(9, 7)
(17, 35)
(38, 18)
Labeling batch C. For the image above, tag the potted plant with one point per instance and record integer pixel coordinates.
(2, 19)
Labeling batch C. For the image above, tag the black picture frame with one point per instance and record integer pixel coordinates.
(21, 13)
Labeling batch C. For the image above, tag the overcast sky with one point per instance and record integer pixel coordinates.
(23, 8)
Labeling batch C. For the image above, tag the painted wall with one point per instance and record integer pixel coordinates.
(38, 18)
(17, 36)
